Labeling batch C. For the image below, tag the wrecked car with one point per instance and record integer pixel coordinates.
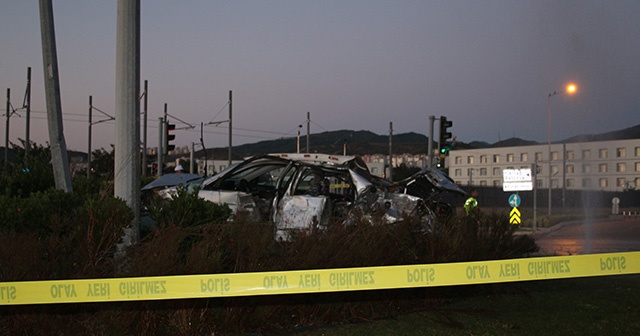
(302, 192)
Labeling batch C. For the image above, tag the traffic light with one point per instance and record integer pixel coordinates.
(168, 137)
(445, 135)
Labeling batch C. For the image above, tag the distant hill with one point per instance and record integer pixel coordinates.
(366, 142)
(513, 142)
(358, 143)
(627, 133)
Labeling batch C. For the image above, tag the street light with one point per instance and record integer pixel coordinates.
(570, 89)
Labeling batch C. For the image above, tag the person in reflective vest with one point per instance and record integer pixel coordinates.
(471, 204)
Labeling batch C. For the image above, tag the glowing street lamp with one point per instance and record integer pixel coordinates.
(570, 89)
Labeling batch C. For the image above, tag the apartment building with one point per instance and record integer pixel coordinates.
(599, 165)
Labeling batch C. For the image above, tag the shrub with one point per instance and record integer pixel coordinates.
(193, 245)
(186, 209)
(55, 235)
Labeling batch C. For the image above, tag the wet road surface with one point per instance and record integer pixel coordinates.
(602, 236)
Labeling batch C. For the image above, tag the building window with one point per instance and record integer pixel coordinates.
(586, 168)
(483, 159)
(637, 151)
(538, 183)
(571, 155)
(458, 172)
(638, 166)
(483, 183)
(554, 155)
(620, 182)
(538, 156)
(621, 152)
(458, 159)
(496, 183)
(604, 183)
(569, 183)
(586, 154)
(496, 158)
(554, 170)
(510, 158)
(621, 167)
(470, 160)
(604, 153)
(483, 171)
(603, 167)
(469, 171)
(570, 169)
(496, 170)
(524, 157)
(586, 183)
(554, 183)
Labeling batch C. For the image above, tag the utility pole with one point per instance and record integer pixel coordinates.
(430, 145)
(390, 152)
(89, 142)
(6, 135)
(308, 129)
(127, 151)
(191, 160)
(27, 98)
(298, 142)
(144, 132)
(59, 157)
(534, 170)
(160, 151)
(230, 123)
(344, 147)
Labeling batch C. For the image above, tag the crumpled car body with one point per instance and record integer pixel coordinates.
(299, 193)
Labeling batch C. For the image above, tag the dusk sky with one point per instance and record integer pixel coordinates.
(488, 66)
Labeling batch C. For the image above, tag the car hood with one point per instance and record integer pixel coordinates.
(170, 180)
(429, 182)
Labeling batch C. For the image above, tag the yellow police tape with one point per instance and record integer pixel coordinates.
(316, 281)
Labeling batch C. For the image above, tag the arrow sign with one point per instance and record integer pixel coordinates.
(514, 200)
(514, 216)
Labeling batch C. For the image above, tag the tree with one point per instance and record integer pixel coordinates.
(102, 162)
(26, 175)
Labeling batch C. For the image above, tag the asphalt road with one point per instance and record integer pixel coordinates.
(602, 236)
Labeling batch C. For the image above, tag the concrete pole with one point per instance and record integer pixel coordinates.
(160, 151)
(308, 129)
(432, 120)
(28, 103)
(230, 124)
(6, 135)
(534, 169)
(127, 151)
(144, 132)
(191, 160)
(59, 156)
(564, 176)
(549, 149)
(390, 152)
(89, 135)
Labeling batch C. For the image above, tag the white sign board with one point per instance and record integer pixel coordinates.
(517, 180)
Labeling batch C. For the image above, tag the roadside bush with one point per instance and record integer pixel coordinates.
(206, 243)
(186, 209)
(28, 174)
(54, 235)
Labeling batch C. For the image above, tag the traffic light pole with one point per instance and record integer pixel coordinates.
(430, 145)
(160, 149)
(445, 135)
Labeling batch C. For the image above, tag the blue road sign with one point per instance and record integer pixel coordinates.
(514, 200)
